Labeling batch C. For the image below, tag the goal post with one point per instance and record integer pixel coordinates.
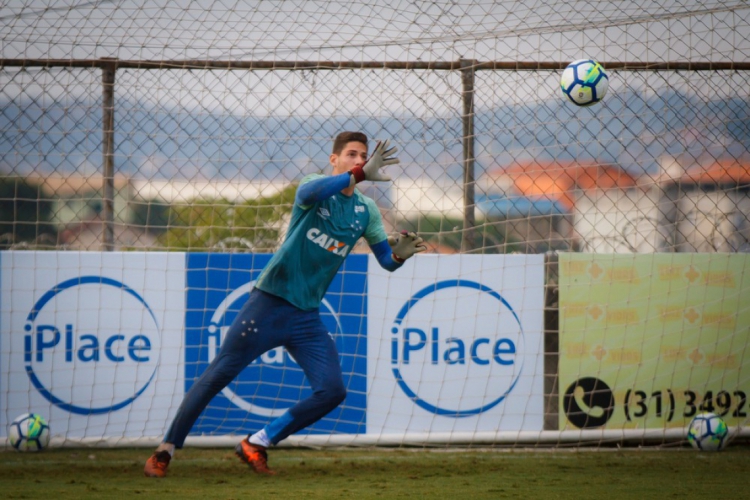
(586, 266)
(453, 350)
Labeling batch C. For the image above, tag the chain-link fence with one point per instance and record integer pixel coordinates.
(107, 154)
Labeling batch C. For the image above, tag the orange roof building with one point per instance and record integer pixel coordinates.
(558, 181)
(723, 172)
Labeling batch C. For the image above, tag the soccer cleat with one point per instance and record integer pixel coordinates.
(156, 465)
(253, 455)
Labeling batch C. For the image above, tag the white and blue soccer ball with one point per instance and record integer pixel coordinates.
(584, 82)
(707, 432)
(29, 432)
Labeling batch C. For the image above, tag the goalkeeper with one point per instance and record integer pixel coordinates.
(328, 218)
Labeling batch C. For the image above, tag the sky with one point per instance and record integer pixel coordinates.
(209, 111)
(441, 30)
(345, 30)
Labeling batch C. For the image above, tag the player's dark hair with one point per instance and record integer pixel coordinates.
(345, 138)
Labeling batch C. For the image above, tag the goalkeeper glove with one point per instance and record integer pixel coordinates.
(381, 157)
(405, 244)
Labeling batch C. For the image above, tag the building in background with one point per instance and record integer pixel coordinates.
(687, 206)
(709, 204)
(538, 201)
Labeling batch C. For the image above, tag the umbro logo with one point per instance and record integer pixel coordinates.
(323, 212)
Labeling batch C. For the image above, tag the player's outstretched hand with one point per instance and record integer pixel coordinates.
(405, 244)
(381, 157)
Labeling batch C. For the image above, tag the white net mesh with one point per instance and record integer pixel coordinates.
(221, 108)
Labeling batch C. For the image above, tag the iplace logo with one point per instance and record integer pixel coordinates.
(457, 348)
(91, 345)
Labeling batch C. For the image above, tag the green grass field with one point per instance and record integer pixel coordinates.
(382, 473)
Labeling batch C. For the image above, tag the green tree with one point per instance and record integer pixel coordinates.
(254, 225)
(24, 213)
(152, 215)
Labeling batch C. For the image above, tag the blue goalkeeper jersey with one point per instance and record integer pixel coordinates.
(319, 238)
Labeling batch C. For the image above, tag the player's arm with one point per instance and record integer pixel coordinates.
(391, 251)
(404, 245)
(396, 249)
(321, 188)
(384, 254)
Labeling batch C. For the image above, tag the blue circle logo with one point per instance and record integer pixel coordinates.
(457, 348)
(91, 345)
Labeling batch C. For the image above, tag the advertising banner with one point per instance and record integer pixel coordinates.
(648, 341)
(217, 287)
(105, 344)
(93, 341)
(455, 344)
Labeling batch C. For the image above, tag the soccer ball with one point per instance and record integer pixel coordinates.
(29, 432)
(707, 432)
(584, 82)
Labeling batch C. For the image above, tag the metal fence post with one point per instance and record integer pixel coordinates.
(108, 150)
(467, 96)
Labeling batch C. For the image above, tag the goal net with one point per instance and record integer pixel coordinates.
(586, 266)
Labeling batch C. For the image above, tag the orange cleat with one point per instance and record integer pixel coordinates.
(156, 466)
(253, 455)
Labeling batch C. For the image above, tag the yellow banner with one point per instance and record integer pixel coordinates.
(648, 341)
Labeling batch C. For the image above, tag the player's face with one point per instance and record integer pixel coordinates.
(353, 155)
